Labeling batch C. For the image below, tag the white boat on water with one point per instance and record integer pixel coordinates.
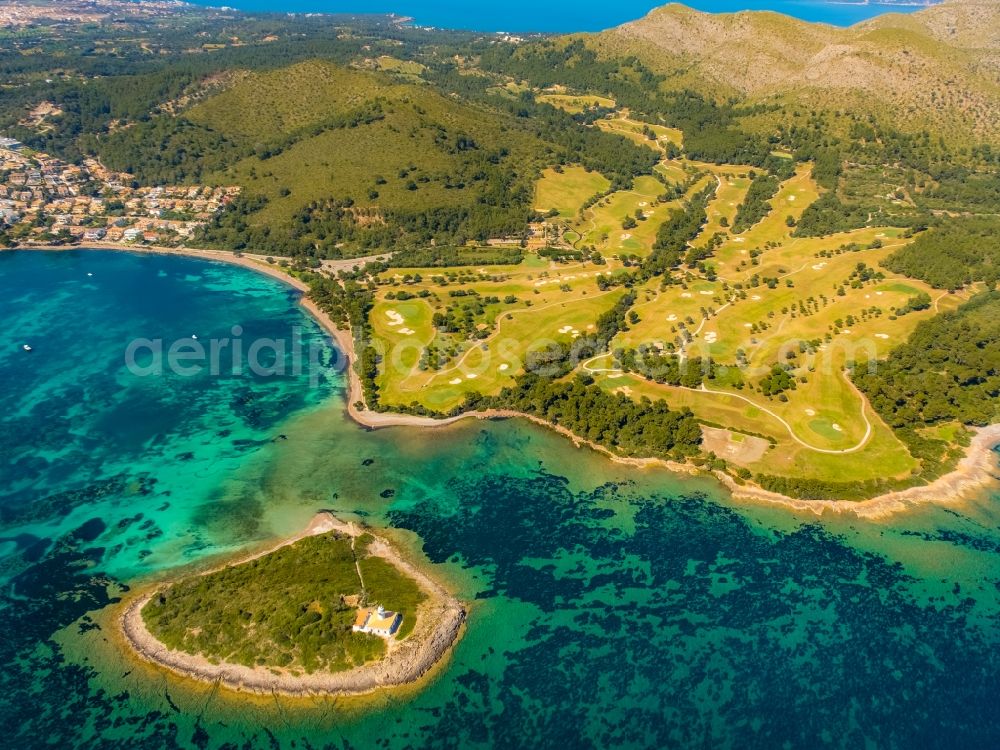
(26, 348)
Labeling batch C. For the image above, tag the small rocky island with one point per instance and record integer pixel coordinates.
(335, 611)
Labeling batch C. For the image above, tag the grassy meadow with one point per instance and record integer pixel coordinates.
(567, 190)
(576, 103)
(636, 131)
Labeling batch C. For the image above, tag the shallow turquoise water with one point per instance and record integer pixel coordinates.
(609, 607)
(77, 420)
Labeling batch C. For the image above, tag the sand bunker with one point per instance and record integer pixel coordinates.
(881, 336)
(838, 428)
(456, 381)
(503, 368)
(394, 317)
(810, 412)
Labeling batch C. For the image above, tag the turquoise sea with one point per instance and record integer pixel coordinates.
(609, 607)
(561, 16)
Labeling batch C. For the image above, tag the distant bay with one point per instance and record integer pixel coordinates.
(560, 15)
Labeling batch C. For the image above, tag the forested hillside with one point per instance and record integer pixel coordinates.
(340, 162)
(955, 253)
(949, 369)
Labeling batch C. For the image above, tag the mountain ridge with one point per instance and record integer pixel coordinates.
(939, 66)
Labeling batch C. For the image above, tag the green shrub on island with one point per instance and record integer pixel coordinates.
(293, 608)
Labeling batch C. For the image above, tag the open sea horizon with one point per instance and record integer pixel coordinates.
(609, 606)
(560, 16)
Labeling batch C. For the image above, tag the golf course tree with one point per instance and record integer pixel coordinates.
(613, 421)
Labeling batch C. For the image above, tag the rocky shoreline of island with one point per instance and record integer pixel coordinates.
(976, 470)
(439, 623)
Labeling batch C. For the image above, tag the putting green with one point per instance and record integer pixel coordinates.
(568, 190)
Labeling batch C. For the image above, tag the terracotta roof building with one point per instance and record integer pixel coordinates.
(377, 622)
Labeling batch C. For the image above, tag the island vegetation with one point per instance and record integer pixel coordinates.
(291, 609)
(335, 610)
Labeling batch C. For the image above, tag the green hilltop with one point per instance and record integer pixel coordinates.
(336, 161)
(321, 144)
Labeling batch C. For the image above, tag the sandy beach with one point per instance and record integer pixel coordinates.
(975, 471)
(439, 621)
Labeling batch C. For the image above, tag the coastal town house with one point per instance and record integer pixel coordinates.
(377, 622)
